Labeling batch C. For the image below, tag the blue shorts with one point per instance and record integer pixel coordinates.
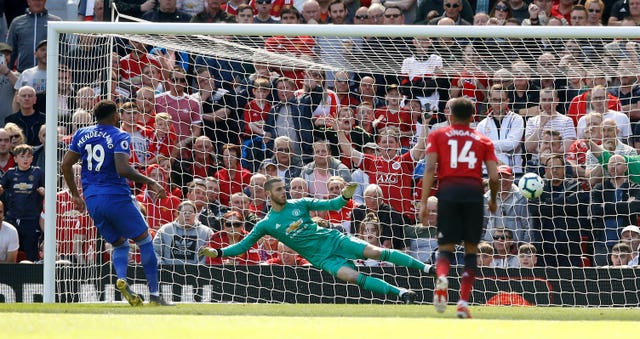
(116, 217)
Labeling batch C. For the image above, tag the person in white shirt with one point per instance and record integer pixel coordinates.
(549, 118)
(9, 241)
(598, 102)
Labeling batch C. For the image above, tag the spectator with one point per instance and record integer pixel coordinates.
(361, 16)
(218, 108)
(519, 10)
(391, 170)
(212, 12)
(501, 11)
(318, 172)
(177, 242)
(527, 256)
(159, 210)
(184, 111)
(511, 213)
(539, 13)
(311, 13)
(524, 95)
(631, 236)
(375, 14)
(615, 203)
(8, 79)
(391, 115)
(582, 103)
(505, 128)
(6, 158)
(163, 140)
(214, 210)
(9, 243)
(595, 10)
(505, 249)
(16, 134)
(427, 7)
(624, 10)
(370, 231)
(292, 117)
(577, 154)
(27, 118)
(256, 111)
(287, 256)
(563, 10)
(166, 11)
(425, 243)
(391, 221)
(131, 65)
(259, 205)
(368, 90)
(598, 102)
(335, 184)
(35, 76)
(146, 101)
(288, 163)
(140, 136)
(610, 142)
(22, 190)
(325, 109)
(620, 255)
(245, 16)
(153, 77)
(27, 32)
(298, 189)
(356, 134)
(233, 231)
(628, 90)
(555, 224)
(452, 9)
(263, 15)
(548, 118)
(485, 254)
(232, 177)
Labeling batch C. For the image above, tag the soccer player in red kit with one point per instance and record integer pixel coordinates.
(458, 151)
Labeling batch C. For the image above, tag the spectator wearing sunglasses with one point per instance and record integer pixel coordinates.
(505, 250)
(454, 9)
(233, 232)
(594, 12)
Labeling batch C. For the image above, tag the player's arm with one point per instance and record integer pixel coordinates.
(124, 169)
(235, 249)
(427, 183)
(494, 184)
(71, 158)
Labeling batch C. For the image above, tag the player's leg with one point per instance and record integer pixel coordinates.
(472, 225)
(372, 284)
(149, 262)
(449, 220)
(120, 259)
(396, 257)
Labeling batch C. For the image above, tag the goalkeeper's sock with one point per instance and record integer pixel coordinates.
(120, 259)
(376, 285)
(401, 259)
(149, 264)
(443, 263)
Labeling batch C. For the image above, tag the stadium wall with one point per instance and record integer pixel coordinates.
(255, 284)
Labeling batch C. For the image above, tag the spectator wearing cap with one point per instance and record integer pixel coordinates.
(36, 76)
(8, 79)
(511, 212)
(505, 128)
(630, 235)
(27, 31)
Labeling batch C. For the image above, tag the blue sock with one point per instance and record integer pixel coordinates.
(149, 264)
(120, 259)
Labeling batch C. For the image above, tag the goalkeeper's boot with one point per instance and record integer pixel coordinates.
(462, 311)
(441, 294)
(133, 298)
(431, 271)
(156, 300)
(408, 297)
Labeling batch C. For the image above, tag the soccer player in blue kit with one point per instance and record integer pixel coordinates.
(104, 150)
(328, 249)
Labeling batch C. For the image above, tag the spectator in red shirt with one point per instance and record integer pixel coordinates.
(159, 211)
(287, 256)
(233, 232)
(131, 64)
(232, 177)
(335, 185)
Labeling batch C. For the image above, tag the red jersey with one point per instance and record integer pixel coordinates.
(130, 67)
(72, 224)
(578, 106)
(461, 152)
(344, 214)
(159, 211)
(276, 6)
(277, 260)
(395, 178)
(254, 113)
(229, 185)
(164, 145)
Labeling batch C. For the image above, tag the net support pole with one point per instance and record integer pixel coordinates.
(51, 164)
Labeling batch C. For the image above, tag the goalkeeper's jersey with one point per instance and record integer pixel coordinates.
(293, 226)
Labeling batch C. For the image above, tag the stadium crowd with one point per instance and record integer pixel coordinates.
(212, 130)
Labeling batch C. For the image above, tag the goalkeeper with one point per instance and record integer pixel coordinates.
(330, 250)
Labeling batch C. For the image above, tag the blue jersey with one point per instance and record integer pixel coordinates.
(97, 146)
(21, 197)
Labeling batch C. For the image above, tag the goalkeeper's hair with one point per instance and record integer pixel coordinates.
(268, 185)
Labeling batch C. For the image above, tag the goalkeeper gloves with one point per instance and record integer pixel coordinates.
(209, 252)
(347, 192)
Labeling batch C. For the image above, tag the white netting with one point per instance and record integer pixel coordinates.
(217, 100)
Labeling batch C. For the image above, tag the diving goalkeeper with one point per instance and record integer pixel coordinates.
(330, 250)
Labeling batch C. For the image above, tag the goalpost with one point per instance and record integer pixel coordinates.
(500, 47)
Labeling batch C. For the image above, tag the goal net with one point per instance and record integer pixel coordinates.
(215, 109)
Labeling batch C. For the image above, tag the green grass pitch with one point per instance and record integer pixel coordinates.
(119, 320)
